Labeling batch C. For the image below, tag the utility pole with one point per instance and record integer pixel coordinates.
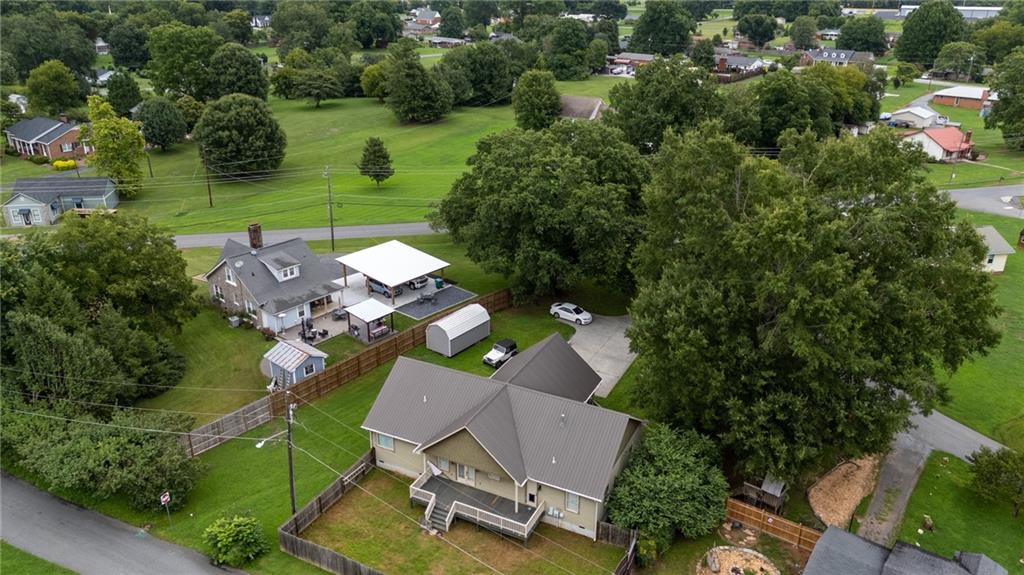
(209, 192)
(291, 466)
(956, 159)
(970, 69)
(150, 162)
(330, 203)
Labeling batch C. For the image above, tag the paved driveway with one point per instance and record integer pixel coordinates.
(88, 542)
(1001, 200)
(604, 345)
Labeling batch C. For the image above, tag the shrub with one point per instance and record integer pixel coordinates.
(236, 540)
(39, 160)
(64, 165)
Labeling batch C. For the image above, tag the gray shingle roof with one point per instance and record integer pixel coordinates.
(839, 551)
(835, 55)
(994, 241)
(46, 190)
(553, 367)
(315, 277)
(843, 552)
(39, 128)
(552, 440)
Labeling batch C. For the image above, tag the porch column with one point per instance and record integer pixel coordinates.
(344, 273)
(517, 495)
(392, 289)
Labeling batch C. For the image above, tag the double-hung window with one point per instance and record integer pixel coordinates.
(572, 502)
(385, 442)
(442, 464)
(229, 275)
(309, 369)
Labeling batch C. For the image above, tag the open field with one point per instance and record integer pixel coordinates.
(963, 521)
(376, 526)
(14, 561)
(988, 393)
(596, 86)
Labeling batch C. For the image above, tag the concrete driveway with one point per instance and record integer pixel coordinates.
(604, 346)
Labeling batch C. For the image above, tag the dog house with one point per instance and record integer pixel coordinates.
(457, 331)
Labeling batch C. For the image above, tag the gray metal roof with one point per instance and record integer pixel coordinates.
(994, 240)
(549, 439)
(907, 559)
(840, 551)
(553, 367)
(315, 277)
(39, 128)
(46, 190)
(291, 354)
(836, 55)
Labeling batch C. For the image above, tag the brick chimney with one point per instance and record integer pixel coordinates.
(967, 138)
(63, 117)
(255, 236)
(722, 64)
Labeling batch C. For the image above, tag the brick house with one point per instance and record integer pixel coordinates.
(973, 97)
(54, 139)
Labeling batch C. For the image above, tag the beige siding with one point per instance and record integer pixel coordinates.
(463, 448)
(584, 522)
(401, 459)
(998, 264)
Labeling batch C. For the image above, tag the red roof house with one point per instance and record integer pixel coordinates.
(943, 144)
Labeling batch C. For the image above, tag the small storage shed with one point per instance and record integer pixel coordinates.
(457, 331)
(290, 362)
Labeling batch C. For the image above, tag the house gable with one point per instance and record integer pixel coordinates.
(463, 448)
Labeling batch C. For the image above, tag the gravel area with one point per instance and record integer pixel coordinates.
(736, 560)
(835, 496)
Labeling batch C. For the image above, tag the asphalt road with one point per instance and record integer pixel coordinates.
(88, 542)
(1001, 200)
(272, 236)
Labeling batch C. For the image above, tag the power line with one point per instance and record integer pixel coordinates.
(112, 405)
(126, 383)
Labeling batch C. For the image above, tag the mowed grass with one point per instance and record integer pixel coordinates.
(427, 158)
(375, 525)
(595, 86)
(988, 392)
(14, 561)
(896, 98)
(963, 521)
(685, 555)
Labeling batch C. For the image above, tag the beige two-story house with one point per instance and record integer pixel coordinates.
(499, 454)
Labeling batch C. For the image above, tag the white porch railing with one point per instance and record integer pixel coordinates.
(482, 517)
(415, 492)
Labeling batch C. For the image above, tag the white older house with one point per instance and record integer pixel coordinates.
(916, 117)
(998, 249)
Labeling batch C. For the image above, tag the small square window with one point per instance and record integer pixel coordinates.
(309, 369)
(385, 442)
(991, 258)
(229, 276)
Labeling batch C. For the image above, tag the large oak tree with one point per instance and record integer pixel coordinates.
(798, 309)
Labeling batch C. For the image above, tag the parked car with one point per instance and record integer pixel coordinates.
(502, 351)
(418, 282)
(382, 289)
(571, 312)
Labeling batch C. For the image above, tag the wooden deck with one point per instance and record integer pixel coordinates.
(452, 499)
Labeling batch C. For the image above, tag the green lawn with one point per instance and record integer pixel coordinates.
(620, 398)
(596, 86)
(988, 393)
(380, 530)
(14, 561)
(963, 521)
(901, 97)
(685, 555)
(12, 168)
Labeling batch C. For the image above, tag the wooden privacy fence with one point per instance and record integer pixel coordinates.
(288, 534)
(628, 561)
(779, 527)
(334, 376)
(614, 535)
(212, 434)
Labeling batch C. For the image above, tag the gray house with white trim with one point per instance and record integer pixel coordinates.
(41, 201)
(290, 362)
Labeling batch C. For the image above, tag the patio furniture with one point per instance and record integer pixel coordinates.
(339, 314)
(353, 330)
(323, 333)
(425, 297)
(379, 331)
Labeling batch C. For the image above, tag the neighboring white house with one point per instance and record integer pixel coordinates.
(916, 116)
(20, 101)
(457, 331)
(998, 249)
(829, 34)
(943, 144)
(968, 12)
(101, 46)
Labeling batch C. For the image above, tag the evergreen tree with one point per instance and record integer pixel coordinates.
(123, 93)
(927, 29)
(414, 93)
(376, 162)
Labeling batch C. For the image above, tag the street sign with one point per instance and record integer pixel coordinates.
(165, 498)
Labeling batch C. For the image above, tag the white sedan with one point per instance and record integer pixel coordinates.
(571, 312)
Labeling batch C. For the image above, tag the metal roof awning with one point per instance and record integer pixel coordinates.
(392, 263)
(370, 310)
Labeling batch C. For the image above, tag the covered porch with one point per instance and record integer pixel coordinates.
(446, 499)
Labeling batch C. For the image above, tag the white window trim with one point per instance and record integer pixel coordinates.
(67, 147)
(391, 439)
(991, 258)
(36, 216)
(310, 369)
(569, 496)
(229, 276)
(218, 292)
(443, 464)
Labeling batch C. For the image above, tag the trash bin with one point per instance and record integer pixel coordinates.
(438, 283)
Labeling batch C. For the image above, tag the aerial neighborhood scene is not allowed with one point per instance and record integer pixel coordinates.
(512, 286)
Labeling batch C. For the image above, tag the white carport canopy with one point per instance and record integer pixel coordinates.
(392, 263)
(369, 310)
